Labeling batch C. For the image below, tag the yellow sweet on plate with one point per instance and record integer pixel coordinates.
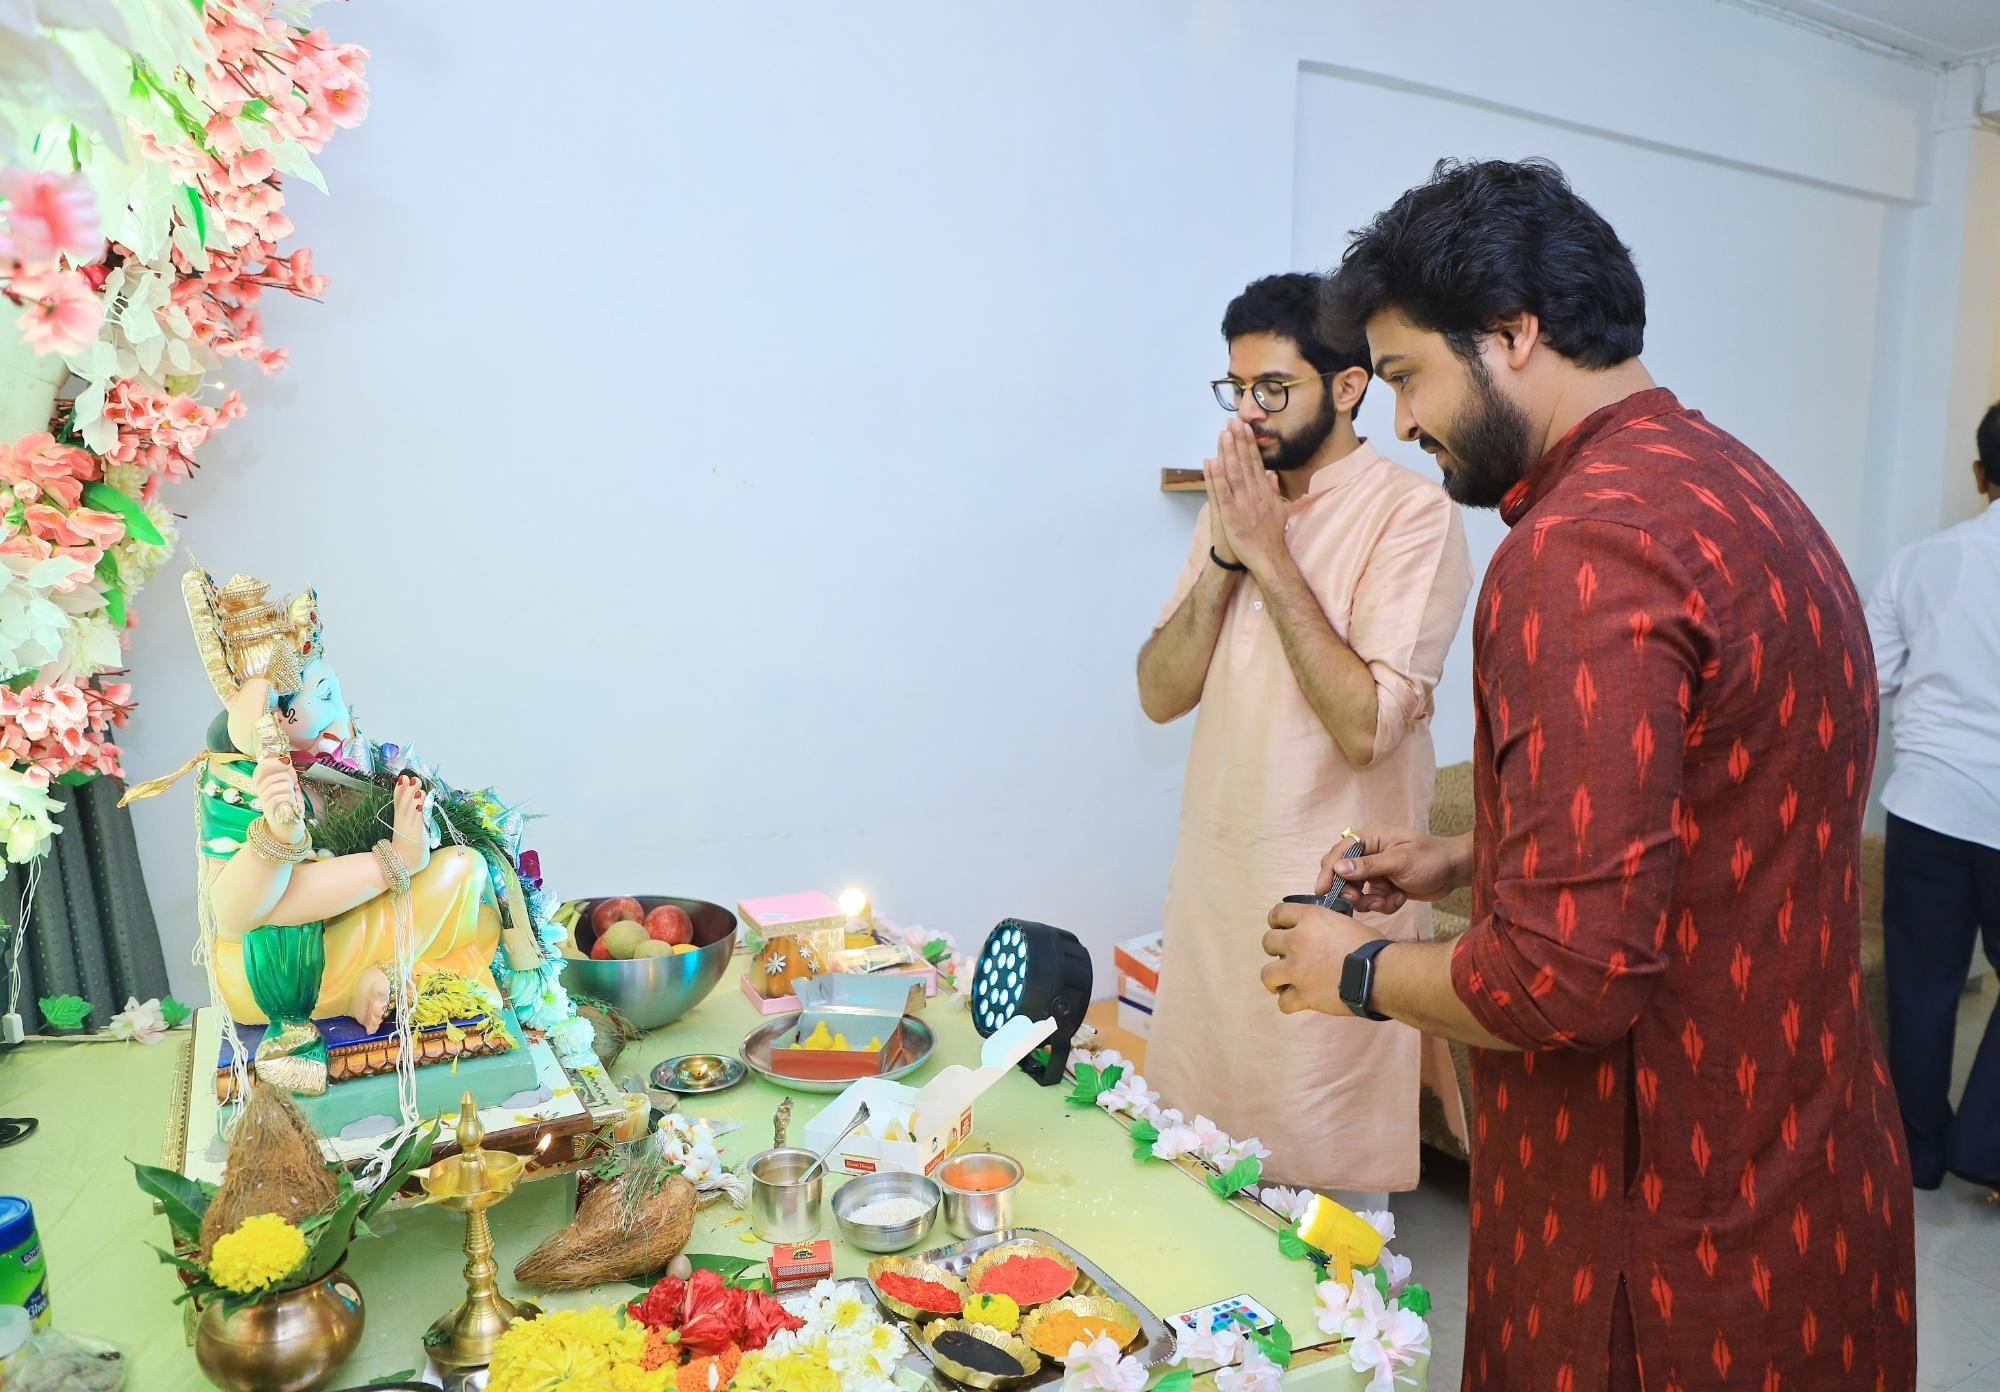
(820, 1038)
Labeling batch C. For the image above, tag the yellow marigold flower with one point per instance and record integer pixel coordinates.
(567, 1351)
(262, 1251)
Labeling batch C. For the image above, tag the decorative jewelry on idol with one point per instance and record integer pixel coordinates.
(267, 844)
(393, 870)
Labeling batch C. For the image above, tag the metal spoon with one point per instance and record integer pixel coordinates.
(860, 1115)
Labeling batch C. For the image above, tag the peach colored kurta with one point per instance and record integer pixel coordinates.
(1267, 793)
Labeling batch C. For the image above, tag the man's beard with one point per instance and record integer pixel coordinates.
(1489, 445)
(1297, 451)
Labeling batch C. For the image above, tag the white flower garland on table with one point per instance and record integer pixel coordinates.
(1383, 1338)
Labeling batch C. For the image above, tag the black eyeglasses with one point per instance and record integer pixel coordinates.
(1268, 392)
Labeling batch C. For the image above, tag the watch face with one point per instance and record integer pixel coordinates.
(1354, 977)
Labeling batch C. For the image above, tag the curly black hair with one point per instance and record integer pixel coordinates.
(1485, 240)
(1289, 305)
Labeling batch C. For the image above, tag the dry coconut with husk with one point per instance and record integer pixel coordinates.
(274, 1166)
(632, 1224)
(610, 1031)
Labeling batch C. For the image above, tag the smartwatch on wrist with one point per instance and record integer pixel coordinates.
(1357, 979)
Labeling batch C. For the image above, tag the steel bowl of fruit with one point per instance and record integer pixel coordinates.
(653, 957)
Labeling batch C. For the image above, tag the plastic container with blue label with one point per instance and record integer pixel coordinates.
(24, 1276)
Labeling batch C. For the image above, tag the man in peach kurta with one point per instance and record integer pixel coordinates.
(1307, 630)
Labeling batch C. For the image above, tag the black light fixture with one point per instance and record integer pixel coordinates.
(1034, 970)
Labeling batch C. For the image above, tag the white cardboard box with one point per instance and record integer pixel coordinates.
(1135, 1007)
(942, 1108)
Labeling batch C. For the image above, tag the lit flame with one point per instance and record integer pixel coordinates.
(541, 1146)
(853, 902)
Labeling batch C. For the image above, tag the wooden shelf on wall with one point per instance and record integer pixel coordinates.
(1182, 481)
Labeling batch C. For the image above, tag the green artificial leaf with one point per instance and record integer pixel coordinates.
(1381, 1279)
(105, 498)
(174, 1011)
(1275, 1345)
(200, 213)
(936, 950)
(64, 1012)
(1237, 1177)
(408, 1374)
(1415, 1299)
(185, 1200)
(1291, 1245)
(1143, 1134)
(254, 110)
(1179, 1380)
(1092, 1084)
(75, 154)
(75, 778)
(114, 605)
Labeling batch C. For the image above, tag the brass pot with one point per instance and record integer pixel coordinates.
(290, 1342)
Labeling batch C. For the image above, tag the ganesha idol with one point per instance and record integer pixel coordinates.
(349, 897)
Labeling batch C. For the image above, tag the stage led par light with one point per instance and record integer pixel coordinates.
(1034, 970)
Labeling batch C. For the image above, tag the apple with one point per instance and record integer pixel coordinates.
(600, 951)
(623, 939)
(670, 924)
(609, 911)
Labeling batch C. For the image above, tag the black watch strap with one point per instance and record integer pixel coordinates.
(1357, 979)
(1227, 565)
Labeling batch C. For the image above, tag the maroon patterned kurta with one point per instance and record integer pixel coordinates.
(1677, 710)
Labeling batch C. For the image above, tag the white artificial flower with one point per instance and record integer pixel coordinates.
(1228, 1155)
(1387, 1346)
(1129, 1095)
(1349, 1309)
(1219, 1347)
(1256, 1373)
(1176, 1141)
(1210, 1139)
(1397, 1268)
(1383, 1221)
(1097, 1367)
(1291, 1204)
(144, 1023)
(27, 814)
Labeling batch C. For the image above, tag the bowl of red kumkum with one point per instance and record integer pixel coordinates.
(917, 1289)
(1027, 1272)
(978, 1355)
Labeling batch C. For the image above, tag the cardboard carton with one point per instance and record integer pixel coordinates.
(935, 1117)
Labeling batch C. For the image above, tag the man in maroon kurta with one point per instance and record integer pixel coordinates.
(1687, 1167)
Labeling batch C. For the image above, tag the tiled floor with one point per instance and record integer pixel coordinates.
(1958, 1259)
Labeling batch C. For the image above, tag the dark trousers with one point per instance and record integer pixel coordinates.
(1939, 895)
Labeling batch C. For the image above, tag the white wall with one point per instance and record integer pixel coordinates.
(739, 438)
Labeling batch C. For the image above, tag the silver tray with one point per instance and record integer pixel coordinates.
(913, 1050)
(1157, 1341)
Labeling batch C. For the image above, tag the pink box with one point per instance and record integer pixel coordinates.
(791, 913)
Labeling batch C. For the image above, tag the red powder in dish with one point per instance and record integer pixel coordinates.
(924, 1295)
(1029, 1280)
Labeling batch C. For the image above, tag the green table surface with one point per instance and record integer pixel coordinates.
(1152, 1228)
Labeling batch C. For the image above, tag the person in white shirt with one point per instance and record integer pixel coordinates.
(1937, 652)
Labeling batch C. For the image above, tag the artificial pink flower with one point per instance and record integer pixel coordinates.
(83, 527)
(50, 213)
(273, 360)
(345, 100)
(38, 464)
(61, 314)
(252, 167)
(225, 137)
